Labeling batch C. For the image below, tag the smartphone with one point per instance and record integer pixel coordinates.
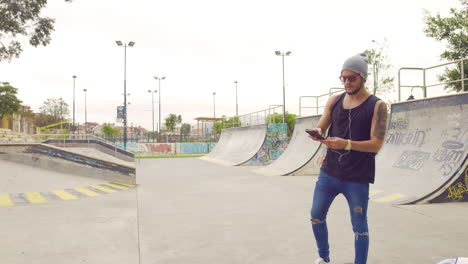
(314, 134)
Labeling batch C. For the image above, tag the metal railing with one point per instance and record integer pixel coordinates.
(38, 138)
(255, 118)
(317, 106)
(424, 86)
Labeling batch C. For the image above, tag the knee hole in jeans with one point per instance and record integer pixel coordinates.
(316, 221)
(358, 210)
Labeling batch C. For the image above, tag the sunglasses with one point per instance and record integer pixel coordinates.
(351, 78)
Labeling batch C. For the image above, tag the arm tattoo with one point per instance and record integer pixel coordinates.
(381, 124)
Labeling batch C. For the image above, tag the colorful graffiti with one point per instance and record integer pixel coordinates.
(159, 148)
(169, 148)
(274, 145)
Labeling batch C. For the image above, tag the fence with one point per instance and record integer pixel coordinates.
(257, 118)
(317, 106)
(424, 86)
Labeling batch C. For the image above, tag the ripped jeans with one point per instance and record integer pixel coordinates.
(357, 194)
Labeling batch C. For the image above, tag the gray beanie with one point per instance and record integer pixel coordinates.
(357, 64)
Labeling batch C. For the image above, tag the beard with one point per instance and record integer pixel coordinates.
(361, 85)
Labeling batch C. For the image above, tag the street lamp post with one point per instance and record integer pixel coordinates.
(159, 87)
(152, 100)
(279, 53)
(85, 113)
(237, 108)
(214, 115)
(124, 45)
(74, 78)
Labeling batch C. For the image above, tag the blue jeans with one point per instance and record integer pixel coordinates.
(357, 195)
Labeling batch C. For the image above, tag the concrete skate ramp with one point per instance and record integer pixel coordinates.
(56, 159)
(237, 145)
(299, 154)
(98, 145)
(273, 146)
(425, 151)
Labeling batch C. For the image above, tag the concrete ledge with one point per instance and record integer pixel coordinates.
(52, 158)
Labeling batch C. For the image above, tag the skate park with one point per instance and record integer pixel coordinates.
(86, 201)
(175, 132)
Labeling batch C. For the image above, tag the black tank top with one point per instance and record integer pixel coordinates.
(355, 166)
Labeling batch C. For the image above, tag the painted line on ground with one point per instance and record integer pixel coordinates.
(8, 200)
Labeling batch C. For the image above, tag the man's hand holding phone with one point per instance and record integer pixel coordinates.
(315, 134)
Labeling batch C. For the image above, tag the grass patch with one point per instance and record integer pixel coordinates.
(170, 156)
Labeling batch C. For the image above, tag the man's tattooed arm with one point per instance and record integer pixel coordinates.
(381, 124)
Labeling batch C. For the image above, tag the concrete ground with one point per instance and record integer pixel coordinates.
(192, 211)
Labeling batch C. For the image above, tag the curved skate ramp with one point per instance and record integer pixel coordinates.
(424, 153)
(273, 146)
(299, 154)
(237, 145)
(60, 160)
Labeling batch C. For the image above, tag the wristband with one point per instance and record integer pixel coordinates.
(348, 145)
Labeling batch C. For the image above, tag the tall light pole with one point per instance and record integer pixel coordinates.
(214, 115)
(237, 108)
(159, 87)
(74, 78)
(152, 100)
(85, 113)
(279, 53)
(125, 45)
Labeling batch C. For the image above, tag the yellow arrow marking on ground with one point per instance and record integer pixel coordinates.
(86, 191)
(117, 186)
(35, 197)
(5, 200)
(64, 195)
(104, 189)
(390, 198)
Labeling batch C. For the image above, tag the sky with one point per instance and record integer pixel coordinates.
(204, 46)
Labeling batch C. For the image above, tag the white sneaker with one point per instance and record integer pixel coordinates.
(321, 261)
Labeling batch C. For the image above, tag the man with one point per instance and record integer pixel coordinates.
(356, 123)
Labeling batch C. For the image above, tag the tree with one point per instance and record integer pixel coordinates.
(152, 135)
(452, 30)
(22, 18)
(41, 120)
(278, 118)
(226, 123)
(172, 121)
(9, 103)
(110, 131)
(381, 81)
(56, 108)
(185, 130)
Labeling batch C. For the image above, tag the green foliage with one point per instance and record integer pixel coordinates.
(9, 103)
(453, 31)
(379, 80)
(110, 131)
(226, 123)
(41, 120)
(172, 121)
(55, 107)
(185, 130)
(22, 18)
(278, 118)
(152, 136)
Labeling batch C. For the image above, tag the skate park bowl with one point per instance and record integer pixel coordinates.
(58, 159)
(298, 157)
(424, 158)
(237, 145)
